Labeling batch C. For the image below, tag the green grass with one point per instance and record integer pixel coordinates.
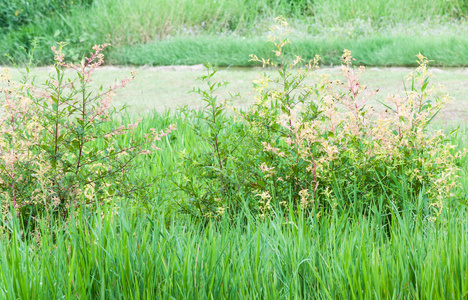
(447, 51)
(135, 255)
(135, 249)
(149, 250)
(193, 32)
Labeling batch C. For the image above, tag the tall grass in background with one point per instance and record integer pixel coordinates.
(129, 22)
(139, 21)
(331, 11)
(124, 23)
(447, 51)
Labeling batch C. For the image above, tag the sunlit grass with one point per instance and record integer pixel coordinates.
(126, 255)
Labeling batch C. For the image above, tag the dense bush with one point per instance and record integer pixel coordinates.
(37, 24)
(318, 145)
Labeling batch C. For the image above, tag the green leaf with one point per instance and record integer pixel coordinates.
(426, 82)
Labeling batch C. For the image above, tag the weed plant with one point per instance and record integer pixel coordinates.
(57, 151)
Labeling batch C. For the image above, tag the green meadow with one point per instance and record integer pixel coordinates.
(143, 174)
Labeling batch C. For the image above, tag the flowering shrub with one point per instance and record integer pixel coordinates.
(319, 145)
(58, 148)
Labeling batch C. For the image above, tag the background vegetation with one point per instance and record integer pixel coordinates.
(159, 33)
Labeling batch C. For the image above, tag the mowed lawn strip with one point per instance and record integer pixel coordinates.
(163, 88)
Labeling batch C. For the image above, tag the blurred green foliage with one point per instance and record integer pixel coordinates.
(133, 23)
(17, 13)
